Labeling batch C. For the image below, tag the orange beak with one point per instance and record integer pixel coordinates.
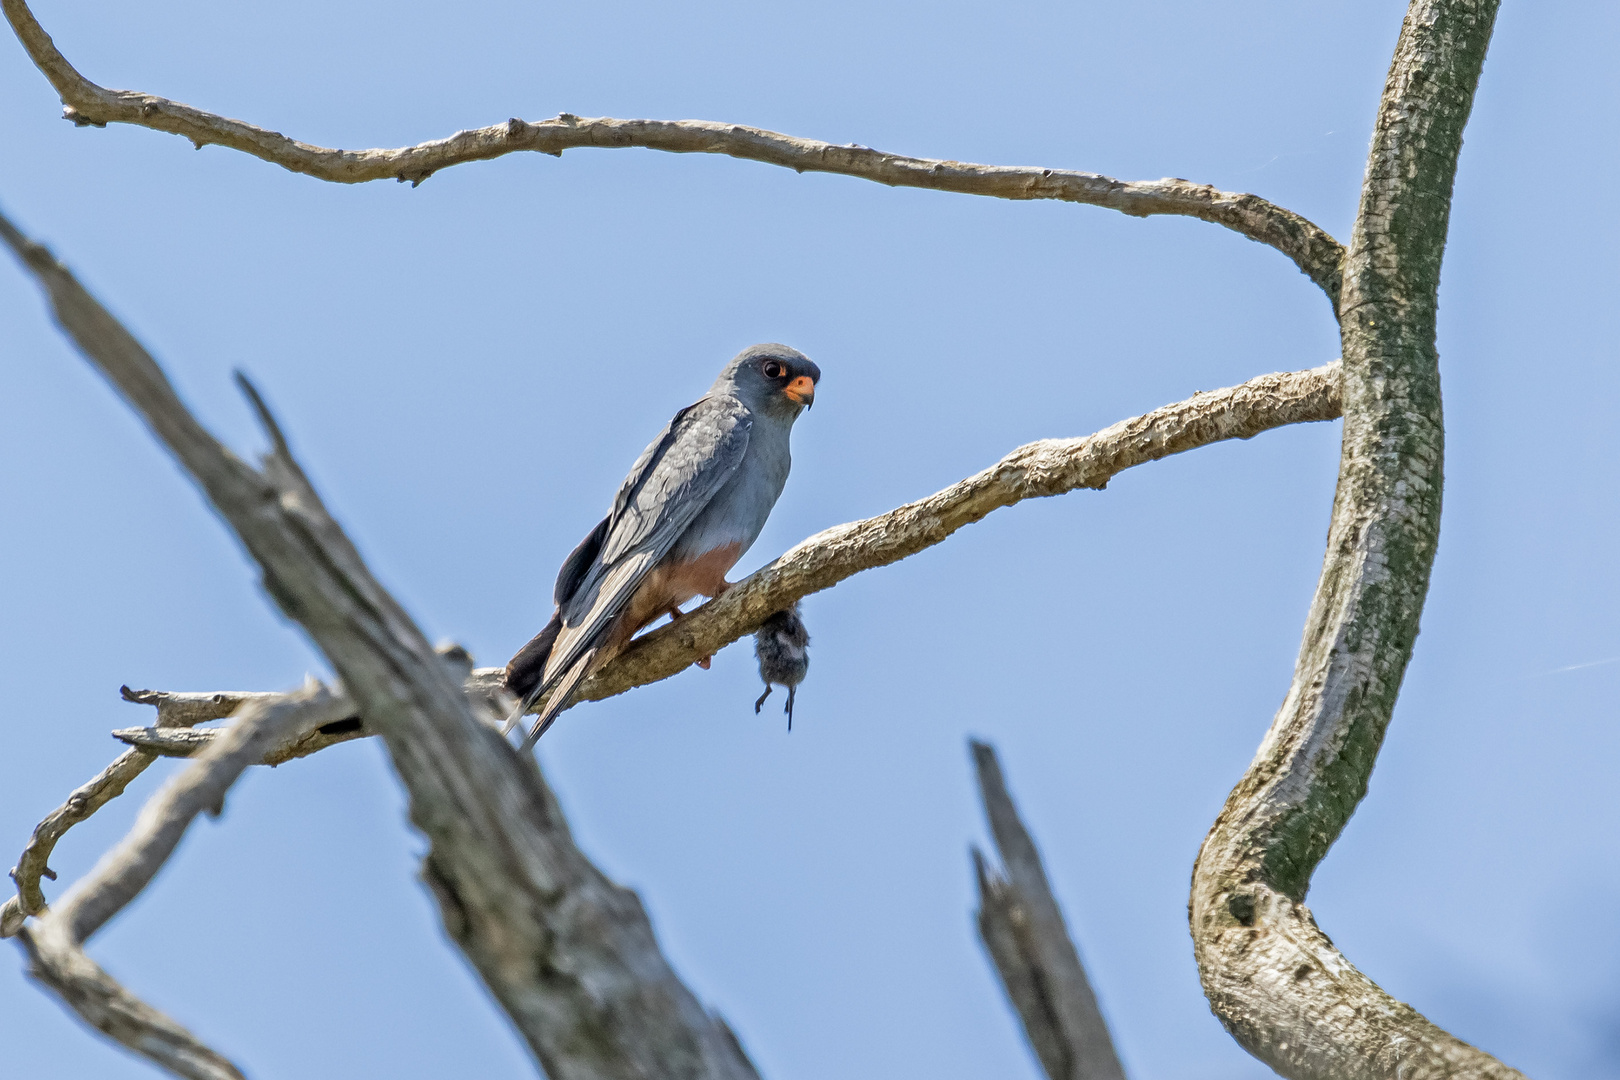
(801, 391)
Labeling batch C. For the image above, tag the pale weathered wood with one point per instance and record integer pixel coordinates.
(34, 862)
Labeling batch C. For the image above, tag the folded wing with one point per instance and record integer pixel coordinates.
(669, 485)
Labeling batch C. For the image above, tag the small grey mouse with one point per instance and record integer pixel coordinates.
(782, 645)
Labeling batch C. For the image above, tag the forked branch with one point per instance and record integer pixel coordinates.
(55, 940)
(1024, 933)
(1315, 252)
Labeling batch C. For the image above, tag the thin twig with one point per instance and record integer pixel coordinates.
(1025, 935)
(1315, 252)
(184, 743)
(176, 713)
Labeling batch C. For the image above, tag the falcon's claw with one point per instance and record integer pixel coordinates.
(704, 662)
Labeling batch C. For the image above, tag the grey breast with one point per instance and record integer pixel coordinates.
(739, 509)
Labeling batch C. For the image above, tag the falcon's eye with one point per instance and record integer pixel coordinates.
(772, 369)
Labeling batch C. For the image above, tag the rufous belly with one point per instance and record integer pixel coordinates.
(665, 588)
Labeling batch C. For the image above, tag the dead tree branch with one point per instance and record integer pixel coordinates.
(54, 941)
(569, 955)
(1275, 980)
(176, 713)
(1310, 248)
(34, 863)
(1025, 935)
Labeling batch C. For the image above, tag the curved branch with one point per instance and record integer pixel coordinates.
(54, 942)
(1310, 247)
(1275, 980)
(176, 714)
(34, 863)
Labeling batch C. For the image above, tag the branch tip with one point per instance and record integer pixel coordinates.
(267, 420)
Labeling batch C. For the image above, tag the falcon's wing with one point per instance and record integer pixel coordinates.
(667, 488)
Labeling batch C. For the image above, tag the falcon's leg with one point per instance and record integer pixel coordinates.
(762, 697)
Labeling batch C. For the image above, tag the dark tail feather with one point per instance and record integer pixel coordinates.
(523, 671)
(560, 693)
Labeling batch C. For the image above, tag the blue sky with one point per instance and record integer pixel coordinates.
(468, 368)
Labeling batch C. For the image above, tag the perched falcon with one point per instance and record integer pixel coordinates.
(694, 501)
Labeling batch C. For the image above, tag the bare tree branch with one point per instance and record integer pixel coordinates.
(129, 867)
(1275, 980)
(54, 942)
(1315, 252)
(105, 1005)
(569, 955)
(34, 863)
(176, 712)
(188, 742)
(1024, 932)
(167, 740)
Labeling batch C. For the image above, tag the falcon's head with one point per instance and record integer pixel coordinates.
(773, 379)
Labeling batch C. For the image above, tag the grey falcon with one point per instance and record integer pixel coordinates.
(693, 503)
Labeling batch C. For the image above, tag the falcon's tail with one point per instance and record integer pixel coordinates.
(561, 690)
(526, 670)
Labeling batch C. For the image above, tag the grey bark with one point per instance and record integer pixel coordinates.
(1274, 979)
(1024, 933)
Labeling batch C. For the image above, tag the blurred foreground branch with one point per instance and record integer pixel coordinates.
(569, 955)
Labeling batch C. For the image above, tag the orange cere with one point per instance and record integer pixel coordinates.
(801, 391)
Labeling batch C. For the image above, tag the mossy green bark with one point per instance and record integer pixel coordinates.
(1272, 977)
